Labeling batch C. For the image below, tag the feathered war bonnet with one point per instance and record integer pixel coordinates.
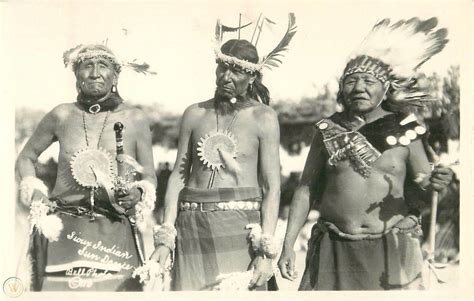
(393, 54)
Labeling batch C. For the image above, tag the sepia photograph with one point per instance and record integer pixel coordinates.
(237, 149)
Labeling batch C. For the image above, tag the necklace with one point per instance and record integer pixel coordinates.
(84, 124)
(214, 147)
(230, 123)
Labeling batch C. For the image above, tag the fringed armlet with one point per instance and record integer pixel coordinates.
(28, 185)
(144, 208)
(165, 235)
(266, 244)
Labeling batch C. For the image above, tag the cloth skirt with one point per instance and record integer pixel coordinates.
(392, 261)
(214, 242)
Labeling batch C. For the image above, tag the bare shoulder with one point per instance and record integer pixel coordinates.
(62, 111)
(196, 110)
(266, 116)
(135, 113)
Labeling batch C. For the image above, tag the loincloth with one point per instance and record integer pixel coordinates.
(212, 242)
(339, 261)
(97, 255)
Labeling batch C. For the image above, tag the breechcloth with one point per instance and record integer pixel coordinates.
(212, 238)
(90, 255)
(338, 261)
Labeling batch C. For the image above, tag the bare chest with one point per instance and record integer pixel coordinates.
(239, 128)
(80, 131)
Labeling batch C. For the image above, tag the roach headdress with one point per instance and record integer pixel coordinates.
(273, 59)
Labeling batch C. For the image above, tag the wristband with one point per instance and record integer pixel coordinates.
(165, 235)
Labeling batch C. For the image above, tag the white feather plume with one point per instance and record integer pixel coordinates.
(404, 45)
(51, 227)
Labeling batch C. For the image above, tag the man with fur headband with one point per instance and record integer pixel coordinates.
(225, 185)
(83, 235)
(367, 237)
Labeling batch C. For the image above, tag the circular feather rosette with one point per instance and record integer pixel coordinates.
(210, 144)
(87, 164)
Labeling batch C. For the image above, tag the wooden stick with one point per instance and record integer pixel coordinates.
(256, 25)
(434, 209)
(432, 235)
(240, 21)
(259, 32)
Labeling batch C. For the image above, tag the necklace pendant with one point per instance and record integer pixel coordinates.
(233, 100)
(90, 166)
(94, 109)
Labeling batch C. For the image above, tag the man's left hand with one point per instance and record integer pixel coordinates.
(129, 198)
(263, 271)
(441, 177)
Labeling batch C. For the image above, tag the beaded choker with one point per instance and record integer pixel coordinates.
(93, 107)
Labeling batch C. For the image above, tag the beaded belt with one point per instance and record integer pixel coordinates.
(219, 206)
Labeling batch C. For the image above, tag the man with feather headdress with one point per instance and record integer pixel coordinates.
(224, 188)
(83, 234)
(367, 237)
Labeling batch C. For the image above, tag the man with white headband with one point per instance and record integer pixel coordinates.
(225, 186)
(367, 237)
(83, 234)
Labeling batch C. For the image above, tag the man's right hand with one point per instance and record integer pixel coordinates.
(286, 264)
(161, 255)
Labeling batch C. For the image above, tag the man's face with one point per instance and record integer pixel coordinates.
(232, 81)
(362, 92)
(96, 76)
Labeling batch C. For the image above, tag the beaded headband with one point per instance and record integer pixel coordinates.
(90, 54)
(76, 55)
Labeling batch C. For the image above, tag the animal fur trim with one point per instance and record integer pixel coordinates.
(49, 225)
(145, 207)
(262, 242)
(27, 187)
(165, 235)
